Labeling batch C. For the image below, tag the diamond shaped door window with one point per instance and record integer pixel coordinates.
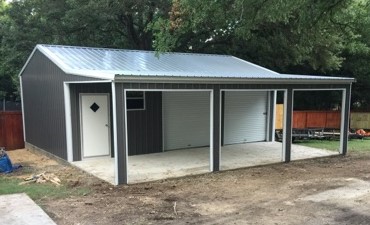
(94, 107)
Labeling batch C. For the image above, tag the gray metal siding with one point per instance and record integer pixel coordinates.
(288, 127)
(75, 90)
(253, 86)
(216, 127)
(145, 126)
(43, 99)
(347, 109)
(121, 135)
(271, 116)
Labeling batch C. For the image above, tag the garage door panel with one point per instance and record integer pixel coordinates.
(245, 117)
(185, 119)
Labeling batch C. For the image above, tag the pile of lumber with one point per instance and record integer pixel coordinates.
(42, 178)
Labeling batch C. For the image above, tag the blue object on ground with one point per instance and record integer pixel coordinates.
(6, 165)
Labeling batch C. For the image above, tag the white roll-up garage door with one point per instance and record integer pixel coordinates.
(186, 119)
(245, 116)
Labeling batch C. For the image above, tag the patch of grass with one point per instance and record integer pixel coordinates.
(359, 145)
(322, 144)
(354, 145)
(10, 185)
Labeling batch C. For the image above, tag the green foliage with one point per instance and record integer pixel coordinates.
(23, 24)
(298, 37)
(108, 23)
(10, 185)
(357, 54)
(317, 100)
(280, 35)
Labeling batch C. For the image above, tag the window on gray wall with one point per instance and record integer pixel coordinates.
(135, 100)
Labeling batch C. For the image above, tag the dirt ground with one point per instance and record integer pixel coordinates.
(334, 190)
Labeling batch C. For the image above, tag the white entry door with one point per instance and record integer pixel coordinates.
(95, 125)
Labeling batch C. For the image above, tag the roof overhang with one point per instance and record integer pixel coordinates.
(223, 80)
(85, 73)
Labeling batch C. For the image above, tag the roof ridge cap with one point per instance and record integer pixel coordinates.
(132, 50)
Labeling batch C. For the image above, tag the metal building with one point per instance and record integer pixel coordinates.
(80, 103)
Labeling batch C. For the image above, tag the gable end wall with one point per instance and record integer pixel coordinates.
(43, 101)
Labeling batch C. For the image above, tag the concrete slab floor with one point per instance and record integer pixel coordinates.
(19, 209)
(101, 167)
(261, 153)
(177, 163)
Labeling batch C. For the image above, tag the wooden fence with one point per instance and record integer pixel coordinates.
(322, 119)
(360, 120)
(310, 119)
(11, 130)
(316, 119)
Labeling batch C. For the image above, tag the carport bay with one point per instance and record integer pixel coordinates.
(186, 135)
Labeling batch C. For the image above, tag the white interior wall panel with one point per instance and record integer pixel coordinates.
(245, 116)
(186, 120)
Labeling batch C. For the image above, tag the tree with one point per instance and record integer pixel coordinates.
(289, 36)
(112, 23)
(23, 24)
(282, 35)
(108, 23)
(357, 54)
(5, 81)
(298, 37)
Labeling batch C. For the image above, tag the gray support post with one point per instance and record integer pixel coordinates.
(346, 103)
(287, 137)
(271, 116)
(216, 128)
(22, 103)
(121, 136)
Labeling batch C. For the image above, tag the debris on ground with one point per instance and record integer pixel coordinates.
(42, 178)
(363, 133)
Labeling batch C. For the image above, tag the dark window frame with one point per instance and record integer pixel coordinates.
(135, 100)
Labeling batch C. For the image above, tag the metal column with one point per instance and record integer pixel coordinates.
(288, 117)
(346, 100)
(121, 154)
(216, 128)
